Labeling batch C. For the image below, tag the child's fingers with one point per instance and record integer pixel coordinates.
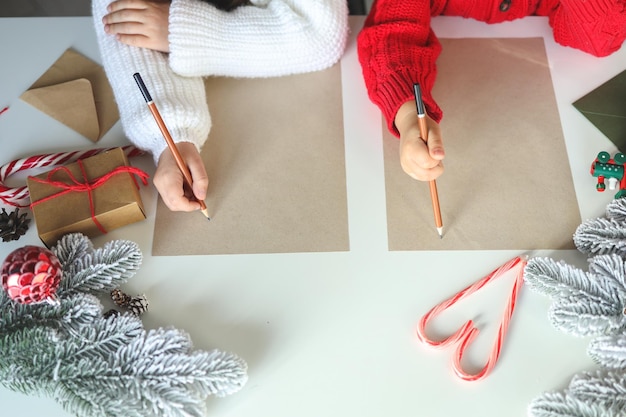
(118, 5)
(435, 148)
(416, 160)
(435, 142)
(200, 178)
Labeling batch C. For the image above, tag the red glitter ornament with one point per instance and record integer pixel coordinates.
(31, 274)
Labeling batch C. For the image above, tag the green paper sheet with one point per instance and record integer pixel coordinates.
(605, 107)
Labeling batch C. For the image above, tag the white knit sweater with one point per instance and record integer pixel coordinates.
(268, 38)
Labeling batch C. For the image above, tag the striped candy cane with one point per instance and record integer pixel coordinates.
(466, 334)
(19, 196)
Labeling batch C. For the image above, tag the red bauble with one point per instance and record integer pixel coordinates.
(31, 274)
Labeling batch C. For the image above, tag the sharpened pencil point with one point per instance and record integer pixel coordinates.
(440, 231)
(206, 214)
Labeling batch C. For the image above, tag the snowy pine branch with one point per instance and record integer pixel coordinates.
(604, 235)
(584, 303)
(100, 270)
(565, 405)
(609, 351)
(71, 312)
(106, 367)
(604, 388)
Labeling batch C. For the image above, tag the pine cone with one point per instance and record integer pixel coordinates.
(120, 298)
(111, 313)
(13, 225)
(138, 305)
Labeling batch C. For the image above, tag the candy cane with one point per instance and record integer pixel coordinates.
(19, 196)
(466, 334)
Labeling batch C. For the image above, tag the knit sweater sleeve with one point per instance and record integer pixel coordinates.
(264, 39)
(396, 49)
(594, 26)
(180, 100)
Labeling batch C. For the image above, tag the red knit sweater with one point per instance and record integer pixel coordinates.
(397, 47)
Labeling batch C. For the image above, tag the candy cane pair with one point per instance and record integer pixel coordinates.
(19, 196)
(466, 334)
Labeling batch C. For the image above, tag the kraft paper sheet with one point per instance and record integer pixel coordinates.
(275, 159)
(507, 183)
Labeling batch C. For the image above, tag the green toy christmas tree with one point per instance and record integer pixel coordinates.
(592, 304)
(93, 365)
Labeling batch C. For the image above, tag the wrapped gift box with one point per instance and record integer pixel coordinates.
(91, 196)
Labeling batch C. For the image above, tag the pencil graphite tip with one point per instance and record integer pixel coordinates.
(440, 231)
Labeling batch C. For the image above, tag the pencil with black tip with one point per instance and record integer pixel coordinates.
(421, 120)
(168, 138)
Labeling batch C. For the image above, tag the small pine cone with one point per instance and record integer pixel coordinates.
(120, 298)
(111, 313)
(138, 305)
(13, 225)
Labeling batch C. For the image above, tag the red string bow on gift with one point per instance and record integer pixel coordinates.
(467, 333)
(20, 196)
(87, 186)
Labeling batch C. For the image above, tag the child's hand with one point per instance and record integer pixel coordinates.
(140, 23)
(420, 160)
(169, 181)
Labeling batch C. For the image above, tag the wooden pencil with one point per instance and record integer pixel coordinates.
(168, 138)
(421, 120)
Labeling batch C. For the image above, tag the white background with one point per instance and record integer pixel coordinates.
(333, 334)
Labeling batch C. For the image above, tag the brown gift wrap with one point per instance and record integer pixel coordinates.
(101, 195)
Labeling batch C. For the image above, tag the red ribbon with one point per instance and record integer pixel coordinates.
(87, 186)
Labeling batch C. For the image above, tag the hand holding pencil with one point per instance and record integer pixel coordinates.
(420, 160)
(178, 159)
(421, 148)
(171, 184)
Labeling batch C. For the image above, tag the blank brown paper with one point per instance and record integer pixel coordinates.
(275, 159)
(507, 183)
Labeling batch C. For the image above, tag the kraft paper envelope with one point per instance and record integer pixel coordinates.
(605, 107)
(507, 183)
(276, 164)
(75, 91)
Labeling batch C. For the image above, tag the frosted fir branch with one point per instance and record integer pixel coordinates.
(79, 406)
(103, 336)
(609, 351)
(610, 269)
(100, 270)
(106, 367)
(558, 279)
(70, 248)
(584, 303)
(154, 371)
(604, 235)
(578, 317)
(559, 404)
(155, 400)
(601, 236)
(17, 350)
(606, 389)
(216, 372)
(616, 210)
(115, 366)
(70, 313)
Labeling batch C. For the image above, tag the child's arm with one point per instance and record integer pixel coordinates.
(264, 39)
(594, 26)
(397, 48)
(181, 102)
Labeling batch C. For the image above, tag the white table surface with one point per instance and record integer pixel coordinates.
(333, 334)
